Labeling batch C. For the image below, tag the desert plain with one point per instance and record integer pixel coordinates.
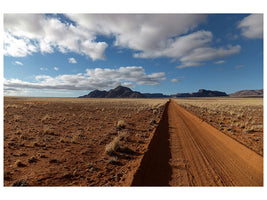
(133, 142)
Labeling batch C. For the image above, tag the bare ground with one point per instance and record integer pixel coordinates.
(198, 155)
(61, 142)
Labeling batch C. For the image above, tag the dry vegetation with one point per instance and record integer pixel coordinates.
(240, 118)
(69, 141)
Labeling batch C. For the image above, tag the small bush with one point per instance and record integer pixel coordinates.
(121, 124)
(123, 135)
(112, 147)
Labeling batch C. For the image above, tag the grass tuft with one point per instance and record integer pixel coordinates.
(121, 124)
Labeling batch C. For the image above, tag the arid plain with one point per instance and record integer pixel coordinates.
(62, 141)
(138, 142)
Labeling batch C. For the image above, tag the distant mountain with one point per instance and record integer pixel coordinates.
(243, 93)
(96, 94)
(118, 92)
(124, 92)
(202, 93)
(155, 95)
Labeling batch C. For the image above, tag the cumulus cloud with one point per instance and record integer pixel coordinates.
(148, 35)
(18, 63)
(92, 79)
(56, 68)
(175, 80)
(28, 33)
(239, 66)
(43, 68)
(154, 36)
(219, 62)
(252, 26)
(192, 49)
(199, 55)
(139, 31)
(72, 60)
(17, 47)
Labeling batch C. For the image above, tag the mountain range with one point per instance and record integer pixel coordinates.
(243, 93)
(124, 92)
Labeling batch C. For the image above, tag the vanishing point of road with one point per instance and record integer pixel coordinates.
(186, 151)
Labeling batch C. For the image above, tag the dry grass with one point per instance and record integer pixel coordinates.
(76, 130)
(45, 118)
(248, 112)
(240, 118)
(123, 135)
(112, 147)
(121, 124)
(47, 130)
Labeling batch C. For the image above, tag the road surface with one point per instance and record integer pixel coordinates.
(186, 151)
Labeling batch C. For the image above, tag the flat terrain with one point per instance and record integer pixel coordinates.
(239, 118)
(123, 142)
(61, 141)
(189, 152)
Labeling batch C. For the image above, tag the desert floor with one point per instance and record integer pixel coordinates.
(129, 142)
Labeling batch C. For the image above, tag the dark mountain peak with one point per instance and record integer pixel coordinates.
(121, 89)
(124, 92)
(243, 93)
(95, 94)
(118, 92)
(202, 93)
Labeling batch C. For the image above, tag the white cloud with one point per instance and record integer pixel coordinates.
(18, 63)
(252, 26)
(139, 31)
(17, 47)
(219, 62)
(202, 54)
(56, 68)
(239, 66)
(154, 36)
(175, 80)
(28, 33)
(43, 68)
(149, 35)
(92, 79)
(72, 60)
(192, 49)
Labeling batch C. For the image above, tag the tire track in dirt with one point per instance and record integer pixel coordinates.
(185, 151)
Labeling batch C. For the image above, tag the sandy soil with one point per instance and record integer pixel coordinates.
(186, 151)
(61, 141)
(239, 118)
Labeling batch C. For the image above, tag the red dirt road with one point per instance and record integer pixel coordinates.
(185, 151)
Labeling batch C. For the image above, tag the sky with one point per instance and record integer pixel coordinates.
(69, 55)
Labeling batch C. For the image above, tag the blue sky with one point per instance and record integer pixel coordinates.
(69, 55)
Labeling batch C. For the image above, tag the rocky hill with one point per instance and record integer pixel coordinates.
(124, 92)
(118, 92)
(202, 93)
(244, 93)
